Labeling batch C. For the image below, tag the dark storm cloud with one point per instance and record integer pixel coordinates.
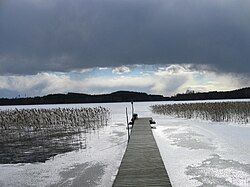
(61, 35)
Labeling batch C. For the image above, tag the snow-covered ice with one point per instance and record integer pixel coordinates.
(195, 153)
(202, 153)
(96, 165)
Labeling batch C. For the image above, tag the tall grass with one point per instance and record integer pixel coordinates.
(27, 123)
(34, 135)
(236, 112)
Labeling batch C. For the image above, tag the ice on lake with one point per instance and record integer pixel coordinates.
(195, 153)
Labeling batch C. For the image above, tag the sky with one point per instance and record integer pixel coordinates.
(101, 46)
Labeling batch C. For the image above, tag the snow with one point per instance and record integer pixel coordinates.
(195, 152)
(202, 153)
(93, 166)
(96, 165)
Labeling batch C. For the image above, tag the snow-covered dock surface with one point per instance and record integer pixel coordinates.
(195, 153)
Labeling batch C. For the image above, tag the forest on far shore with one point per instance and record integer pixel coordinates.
(125, 96)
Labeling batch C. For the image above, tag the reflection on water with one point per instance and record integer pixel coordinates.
(40, 148)
(81, 175)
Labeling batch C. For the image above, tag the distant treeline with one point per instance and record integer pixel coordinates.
(243, 93)
(124, 96)
(120, 96)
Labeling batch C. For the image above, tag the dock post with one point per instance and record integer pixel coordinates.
(132, 104)
(127, 122)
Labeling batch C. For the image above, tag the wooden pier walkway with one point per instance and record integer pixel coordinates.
(142, 164)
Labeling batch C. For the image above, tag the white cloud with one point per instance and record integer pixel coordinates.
(103, 68)
(41, 84)
(84, 70)
(166, 81)
(110, 84)
(121, 70)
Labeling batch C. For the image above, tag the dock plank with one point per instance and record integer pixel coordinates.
(142, 164)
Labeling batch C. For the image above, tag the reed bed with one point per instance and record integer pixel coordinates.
(235, 112)
(31, 135)
(27, 123)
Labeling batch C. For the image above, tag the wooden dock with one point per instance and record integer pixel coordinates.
(142, 164)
